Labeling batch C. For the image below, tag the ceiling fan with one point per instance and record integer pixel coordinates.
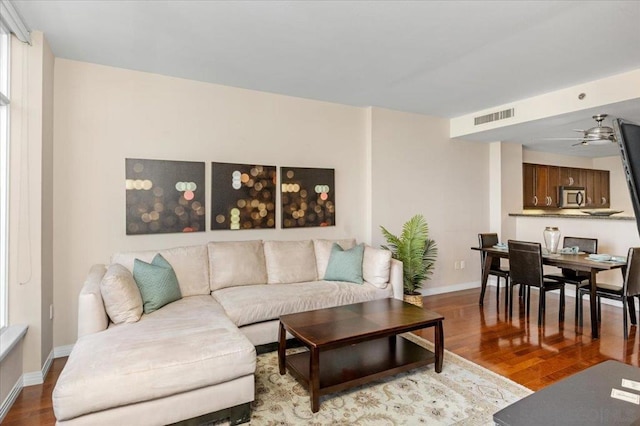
(597, 135)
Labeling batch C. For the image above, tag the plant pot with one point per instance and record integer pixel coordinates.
(414, 299)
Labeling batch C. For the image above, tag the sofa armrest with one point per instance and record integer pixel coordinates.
(395, 279)
(92, 316)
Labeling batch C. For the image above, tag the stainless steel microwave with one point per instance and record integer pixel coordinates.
(571, 197)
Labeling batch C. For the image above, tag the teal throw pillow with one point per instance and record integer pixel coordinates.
(157, 283)
(345, 265)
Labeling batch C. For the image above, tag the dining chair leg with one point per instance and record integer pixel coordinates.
(510, 300)
(561, 313)
(625, 321)
(528, 300)
(599, 309)
(632, 310)
(541, 306)
(498, 290)
(577, 305)
(579, 302)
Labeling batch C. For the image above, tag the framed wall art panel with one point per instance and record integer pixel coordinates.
(164, 196)
(308, 197)
(243, 196)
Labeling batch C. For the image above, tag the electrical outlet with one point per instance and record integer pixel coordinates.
(51, 311)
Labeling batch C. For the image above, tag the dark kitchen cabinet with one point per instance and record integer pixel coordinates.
(540, 186)
(597, 188)
(570, 176)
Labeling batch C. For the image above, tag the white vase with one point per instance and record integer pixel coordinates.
(551, 238)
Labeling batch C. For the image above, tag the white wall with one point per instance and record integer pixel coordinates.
(417, 168)
(104, 115)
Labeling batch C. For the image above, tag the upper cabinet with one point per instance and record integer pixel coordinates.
(570, 176)
(541, 183)
(597, 188)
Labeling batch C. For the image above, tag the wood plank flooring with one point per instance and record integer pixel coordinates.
(517, 348)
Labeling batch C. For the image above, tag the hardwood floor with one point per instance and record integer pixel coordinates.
(514, 348)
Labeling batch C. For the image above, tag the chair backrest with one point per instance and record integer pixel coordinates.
(632, 277)
(525, 263)
(587, 245)
(489, 240)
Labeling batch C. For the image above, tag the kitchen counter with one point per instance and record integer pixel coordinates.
(577, 215)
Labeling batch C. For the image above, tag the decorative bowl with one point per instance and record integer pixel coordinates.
(601, 212)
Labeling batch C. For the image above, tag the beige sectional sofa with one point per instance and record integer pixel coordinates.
(196, 356)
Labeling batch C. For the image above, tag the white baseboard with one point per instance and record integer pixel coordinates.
(62, 351)
(10, 399)
(450, 288)
(37, 377)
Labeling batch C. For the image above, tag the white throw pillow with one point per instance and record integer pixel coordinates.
(376, 266)
(121, 296)
(234, 263)
(322, 249)
(189, 264)
(290, 261)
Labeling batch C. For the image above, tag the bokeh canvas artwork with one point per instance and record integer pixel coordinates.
(243, 196)
(308, 197)
(164, 196)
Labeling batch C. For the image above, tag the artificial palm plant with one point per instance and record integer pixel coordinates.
(415, 250)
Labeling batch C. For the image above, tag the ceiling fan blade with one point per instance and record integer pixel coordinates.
(563, 139)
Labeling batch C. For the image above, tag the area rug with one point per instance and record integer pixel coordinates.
(462, 394)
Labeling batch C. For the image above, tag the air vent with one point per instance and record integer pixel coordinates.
(494, 116)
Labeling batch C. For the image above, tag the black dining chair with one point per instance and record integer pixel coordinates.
(569, 276)
(525, 269)
(630, 288)
(490, 240)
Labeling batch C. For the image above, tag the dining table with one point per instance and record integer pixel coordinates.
(577, 262)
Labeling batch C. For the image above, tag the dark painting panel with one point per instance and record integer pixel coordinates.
(164, 196)
(308, 197)
(243, 196)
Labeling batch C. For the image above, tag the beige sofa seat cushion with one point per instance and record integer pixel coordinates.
(248, 305)
(234, 263)
(322, 249)
(188, 344)
(376, 266)
(121, 296)
(290, 261)
(189, 263)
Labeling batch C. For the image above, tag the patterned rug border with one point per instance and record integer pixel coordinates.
(449, 356)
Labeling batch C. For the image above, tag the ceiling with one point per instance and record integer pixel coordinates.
(440, 58)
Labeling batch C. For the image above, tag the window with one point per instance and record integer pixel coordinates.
(5, 39)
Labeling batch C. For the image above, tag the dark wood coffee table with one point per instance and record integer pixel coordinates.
(354, 344)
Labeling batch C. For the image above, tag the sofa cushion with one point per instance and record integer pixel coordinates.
(322, 249)
(345, 265)
(120, 294)
(290, 261)
(157, 283)
(248, 305)
(376, 266)
(234, 263)
(189, 344)
(189, 263)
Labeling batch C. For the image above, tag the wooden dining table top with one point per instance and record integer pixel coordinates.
(579, 262)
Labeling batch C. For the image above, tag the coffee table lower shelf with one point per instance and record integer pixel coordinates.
(360, 363)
